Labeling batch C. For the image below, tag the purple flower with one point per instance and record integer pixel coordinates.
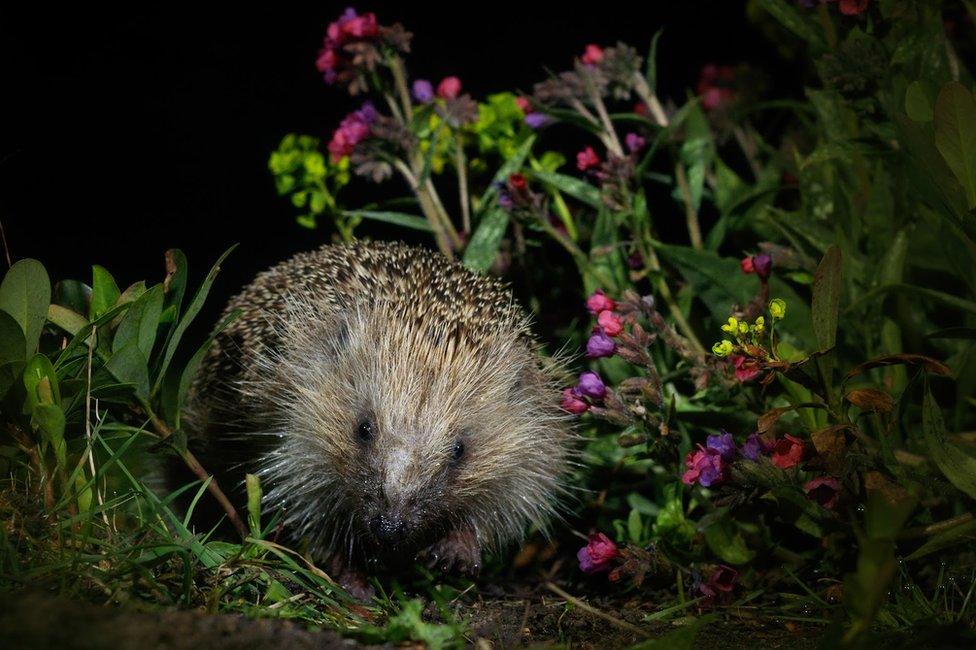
(591, 385)
(597, 554)
(718, 586)
(600, 345)
(705, 467)
(536, 120)
(505, 201)
(724, 444)
(423, 91)
(634, 142)
(755, 446)
(763, 264)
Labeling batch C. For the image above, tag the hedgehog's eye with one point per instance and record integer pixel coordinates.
(365, 431)
(457, 452)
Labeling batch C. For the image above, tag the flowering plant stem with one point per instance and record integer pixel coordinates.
(429, 209)
(691, 215)
(462, 174)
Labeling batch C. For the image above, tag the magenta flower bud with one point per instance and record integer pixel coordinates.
(449, 88)
(591, 385)
(597, 555)
(423, 91)
(572, 403)
(600, 345)
(599, 302)
(587, 159)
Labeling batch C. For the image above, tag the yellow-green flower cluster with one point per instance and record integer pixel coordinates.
(744, 332)
(777, 308)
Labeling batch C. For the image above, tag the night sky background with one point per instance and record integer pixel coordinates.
(128, 131)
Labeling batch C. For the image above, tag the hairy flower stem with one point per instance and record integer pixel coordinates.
(691, 215)
(198, 470)
(654, 264)
(610, 140)
(462, 173)
(430, 212)
(400, 81)
(650, 100)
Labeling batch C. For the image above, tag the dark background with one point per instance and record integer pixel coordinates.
(130, 131)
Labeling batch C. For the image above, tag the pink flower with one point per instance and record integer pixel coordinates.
(353, 129)
(787, 452)
(634, 142)
(600, 345)
(591, 385)
(610, 322)
(524, 104)
(350, 26)
(599, 302)
(715, 86)
(747, 265)
(853, 7)
(449, 88)
(746, 369)
(597, 555)
(718, 585)
(705, 467)
(825, 490)
(573, 403)
(592, 55)
(587, 159)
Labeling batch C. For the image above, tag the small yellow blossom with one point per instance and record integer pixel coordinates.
(732, 327)
(743, 328)
(723, 348)
(760, 326)
(777, 308)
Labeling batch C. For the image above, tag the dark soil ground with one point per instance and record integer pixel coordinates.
(35, 620)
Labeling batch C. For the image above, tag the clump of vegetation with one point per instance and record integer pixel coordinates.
(776, 399)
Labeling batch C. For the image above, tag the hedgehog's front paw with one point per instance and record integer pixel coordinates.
(458, 551)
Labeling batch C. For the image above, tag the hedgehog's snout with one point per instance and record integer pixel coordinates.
(389, 530)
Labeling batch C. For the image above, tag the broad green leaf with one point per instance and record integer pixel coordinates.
(12, 343)
(957, 466)
(190, 370)
(41, 382)
(70, 321)
(918, 101)
(129, 366)
(73, 295)
(825, 308)
(697, 152)
(576, 188)
(955, 134)
(173, 341)
(141, 322)
(725, 540)
(25, 294)
(50, 419)
(483, 247)
(395, 218)
(105, 292)
(174, 286)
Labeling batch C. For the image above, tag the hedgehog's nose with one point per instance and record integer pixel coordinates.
(388, 530)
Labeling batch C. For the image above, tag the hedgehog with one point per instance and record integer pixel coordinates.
(395, 404)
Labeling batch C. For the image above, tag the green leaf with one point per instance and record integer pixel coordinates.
(635, 527)
(70, 321)
(697, 153)
(956, 465)
(576, 188)
(725, 540)
(918, 102)
(826, 298)
(105, 292)
(129, 366)
(175, 284)
(651, 71)
(173, 341)
(955, 135)
(787, 14)
(481, 251)
(395, 218)
(49, 418)
(73, 295)
(12, 344)
(141, 322)
(25, 294)
(963, 533)
(190, 370)
(254, 494)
